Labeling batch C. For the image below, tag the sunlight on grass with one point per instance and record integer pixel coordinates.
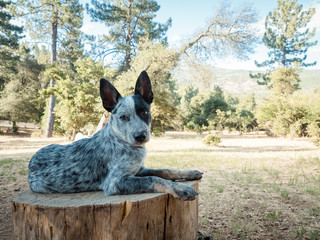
(252, 192)
(242, 177)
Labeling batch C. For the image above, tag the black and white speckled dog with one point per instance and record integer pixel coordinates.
(113, 159)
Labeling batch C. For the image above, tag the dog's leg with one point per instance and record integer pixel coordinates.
(172, 175)
(150, 184)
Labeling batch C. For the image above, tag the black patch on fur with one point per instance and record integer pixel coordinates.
(109, 95)
(141, 106)
(143, 87)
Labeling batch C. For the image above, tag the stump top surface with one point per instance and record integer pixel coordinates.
(83, 198)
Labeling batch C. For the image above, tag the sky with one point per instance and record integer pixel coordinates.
(188, 16)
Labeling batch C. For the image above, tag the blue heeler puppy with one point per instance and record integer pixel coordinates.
(113, 159)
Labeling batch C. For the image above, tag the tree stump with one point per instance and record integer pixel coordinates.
(92, 215)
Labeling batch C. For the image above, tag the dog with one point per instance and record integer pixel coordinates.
(112, 160)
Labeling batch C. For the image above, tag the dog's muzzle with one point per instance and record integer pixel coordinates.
(140, 137)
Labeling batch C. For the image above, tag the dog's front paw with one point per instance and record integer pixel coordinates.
(195, 175)
(184, 193)
(189, 175)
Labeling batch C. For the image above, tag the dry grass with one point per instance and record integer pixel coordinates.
(254, 187)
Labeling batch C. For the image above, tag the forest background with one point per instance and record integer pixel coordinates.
(50, 67)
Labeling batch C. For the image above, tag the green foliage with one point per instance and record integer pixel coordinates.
(241, 117)
(203, 107)
(287, 37)
(78, 101)
(72, 47)
(286, 34)
(285, 80)
(20, 97)
(40, 16)
(129, 22)
(76, 104)
(293, 115)
(161, 61)
(212, 140)
(9, 42)
(10, 34)
(216, 111)
(57, 20)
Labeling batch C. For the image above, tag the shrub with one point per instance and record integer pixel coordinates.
(295, 115)
(212, 140)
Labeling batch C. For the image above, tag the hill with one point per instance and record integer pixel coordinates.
(239, 81)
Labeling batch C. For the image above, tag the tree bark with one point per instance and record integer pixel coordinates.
(92, 215)
(128, 37)
(52, 98)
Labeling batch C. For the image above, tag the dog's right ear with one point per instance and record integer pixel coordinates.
(109, 95)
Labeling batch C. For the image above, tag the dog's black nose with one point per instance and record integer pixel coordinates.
(140, 136)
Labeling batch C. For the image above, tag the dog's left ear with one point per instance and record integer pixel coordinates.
(109, 95)
(143, 87)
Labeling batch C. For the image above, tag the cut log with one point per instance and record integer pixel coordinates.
(92, 215)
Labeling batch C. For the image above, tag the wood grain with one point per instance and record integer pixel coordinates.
(93, 216)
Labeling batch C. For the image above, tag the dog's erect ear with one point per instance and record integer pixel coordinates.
(109, 95)
(143, 87)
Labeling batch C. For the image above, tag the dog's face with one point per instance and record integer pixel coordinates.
(130, 116)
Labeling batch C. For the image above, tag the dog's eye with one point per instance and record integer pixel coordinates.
(144, 113)
(124, 118)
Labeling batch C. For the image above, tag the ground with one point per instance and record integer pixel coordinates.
(253, 187)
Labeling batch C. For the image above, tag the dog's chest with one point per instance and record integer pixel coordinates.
(129, 160)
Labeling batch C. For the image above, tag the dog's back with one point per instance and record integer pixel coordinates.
(82, 165)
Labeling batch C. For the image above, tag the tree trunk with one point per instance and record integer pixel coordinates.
(103, 121)
(74, 133)
(14, 127)
(92, 215)
(128, 38)
(52, 99)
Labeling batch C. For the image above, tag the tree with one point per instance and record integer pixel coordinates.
(242, 117)
(230, 31)
(78, 101)
(161, 61)
(20, 97)
(285, 80)
(44, 19)
(10, 35)
(72, 47)
(287, 38)
(128, 21)
(204, 109)
(283, 115)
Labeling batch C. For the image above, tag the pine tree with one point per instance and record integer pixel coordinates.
(9, 41)
(72, 47)
(128, 22)
(287, 38)
(45, 19)
(20, 97)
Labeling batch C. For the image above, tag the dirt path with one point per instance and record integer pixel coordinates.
(24, 147)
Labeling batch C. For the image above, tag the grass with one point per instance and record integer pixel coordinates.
(273, 216)
(9, 168)
(244, 194)
(270, 190)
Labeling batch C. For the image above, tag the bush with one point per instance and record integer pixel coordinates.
(316, 142)
(212, 140)
(295, 115)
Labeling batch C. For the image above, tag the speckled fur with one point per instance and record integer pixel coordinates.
(113, 159)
